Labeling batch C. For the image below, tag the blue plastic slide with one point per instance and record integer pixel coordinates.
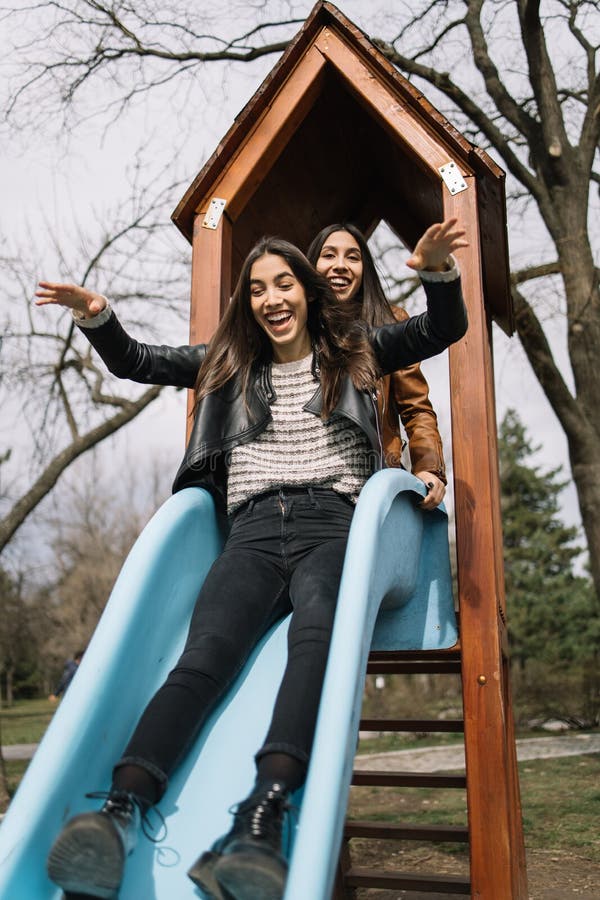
(397, 559)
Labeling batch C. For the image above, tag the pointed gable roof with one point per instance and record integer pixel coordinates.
(335, 133)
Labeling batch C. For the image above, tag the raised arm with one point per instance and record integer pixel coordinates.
(420, 337)
(122, 354)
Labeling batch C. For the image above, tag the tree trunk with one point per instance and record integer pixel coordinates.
(10, 671)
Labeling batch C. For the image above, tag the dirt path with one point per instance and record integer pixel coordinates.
(439, 759)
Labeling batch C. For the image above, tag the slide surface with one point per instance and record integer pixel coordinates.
(397, 558)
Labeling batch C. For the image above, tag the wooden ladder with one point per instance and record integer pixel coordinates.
(351, 876)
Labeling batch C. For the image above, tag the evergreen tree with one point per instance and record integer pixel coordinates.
(553, 623)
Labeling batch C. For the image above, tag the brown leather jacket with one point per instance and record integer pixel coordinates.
(406, 393)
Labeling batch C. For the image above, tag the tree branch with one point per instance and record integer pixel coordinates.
(46, 481)
(497, 138)
(540, 356)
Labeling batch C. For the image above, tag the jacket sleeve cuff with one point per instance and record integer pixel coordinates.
(94, 321)
(450, 274)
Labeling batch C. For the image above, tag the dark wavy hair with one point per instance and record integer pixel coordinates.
(374, 308)
(240, 345)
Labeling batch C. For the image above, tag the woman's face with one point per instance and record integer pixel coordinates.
(279, 305)
(340, 261)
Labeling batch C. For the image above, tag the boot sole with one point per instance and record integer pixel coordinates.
(251, 876)
(87, 858)
(202, 873)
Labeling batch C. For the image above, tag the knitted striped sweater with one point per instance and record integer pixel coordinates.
(298, 448)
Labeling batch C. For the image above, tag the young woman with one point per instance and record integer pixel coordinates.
(341, 253)
(284, 437)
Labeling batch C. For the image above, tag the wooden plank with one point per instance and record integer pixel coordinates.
(435, 667)
(211, 284)
(408, 881)
(405, 831)
(266, 140)
(415, 655)
(368, 777)
(480, 578)
(430, 726)
(405, 125)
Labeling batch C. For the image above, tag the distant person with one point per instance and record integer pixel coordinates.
(67, 676)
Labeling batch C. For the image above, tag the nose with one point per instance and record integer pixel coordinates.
(273, 298)
(340, 264)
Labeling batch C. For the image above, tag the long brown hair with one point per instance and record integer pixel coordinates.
(240, 345)
(374, 307)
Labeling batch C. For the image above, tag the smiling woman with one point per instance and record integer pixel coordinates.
(341, 254)
(285, 435)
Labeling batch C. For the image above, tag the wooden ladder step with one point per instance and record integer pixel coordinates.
(453, 653)
(371, 777)
(413, 667)
(405, 831)
(407, 881)
(420, 725)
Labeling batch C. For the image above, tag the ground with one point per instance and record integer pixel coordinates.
(552, 875)
(561, 799)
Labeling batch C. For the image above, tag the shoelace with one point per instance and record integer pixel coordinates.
(122, 802)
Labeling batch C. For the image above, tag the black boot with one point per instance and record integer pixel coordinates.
(247, 863)
(89, 854)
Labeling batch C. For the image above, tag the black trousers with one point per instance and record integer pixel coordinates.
(284, 554)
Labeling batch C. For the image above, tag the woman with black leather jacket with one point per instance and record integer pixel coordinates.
(285, 435)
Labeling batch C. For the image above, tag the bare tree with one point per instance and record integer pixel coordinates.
(520, 78)
(92, 529)
(51, 383)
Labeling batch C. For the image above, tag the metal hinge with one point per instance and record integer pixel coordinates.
(214, 213)
(452, 178)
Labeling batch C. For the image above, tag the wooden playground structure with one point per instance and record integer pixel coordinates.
(335, 133)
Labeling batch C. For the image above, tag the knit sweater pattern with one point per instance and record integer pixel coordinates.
(298, 448)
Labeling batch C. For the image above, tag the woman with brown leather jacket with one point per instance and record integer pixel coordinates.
(340, 252)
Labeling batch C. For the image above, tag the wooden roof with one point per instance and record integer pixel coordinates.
(336, 133)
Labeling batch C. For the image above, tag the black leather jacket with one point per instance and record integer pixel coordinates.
(222, 419)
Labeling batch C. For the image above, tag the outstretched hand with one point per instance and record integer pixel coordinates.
(435, 246)
(71, 296)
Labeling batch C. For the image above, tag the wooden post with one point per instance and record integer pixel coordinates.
(497, 851)
(211, 283)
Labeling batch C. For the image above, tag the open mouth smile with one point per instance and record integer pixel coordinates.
(279, 319)
(339, 283)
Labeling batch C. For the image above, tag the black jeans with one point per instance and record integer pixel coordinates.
(284, 554)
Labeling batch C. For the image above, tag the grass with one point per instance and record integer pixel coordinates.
(26, 721)
(560, 800)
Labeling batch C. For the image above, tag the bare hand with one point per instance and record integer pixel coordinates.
(71, 296)
(436, 490)
(435, 246)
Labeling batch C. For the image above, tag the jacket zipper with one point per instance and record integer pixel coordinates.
(379, 438)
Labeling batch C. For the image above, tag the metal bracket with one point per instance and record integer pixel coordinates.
(214, 213)
(452, 178)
